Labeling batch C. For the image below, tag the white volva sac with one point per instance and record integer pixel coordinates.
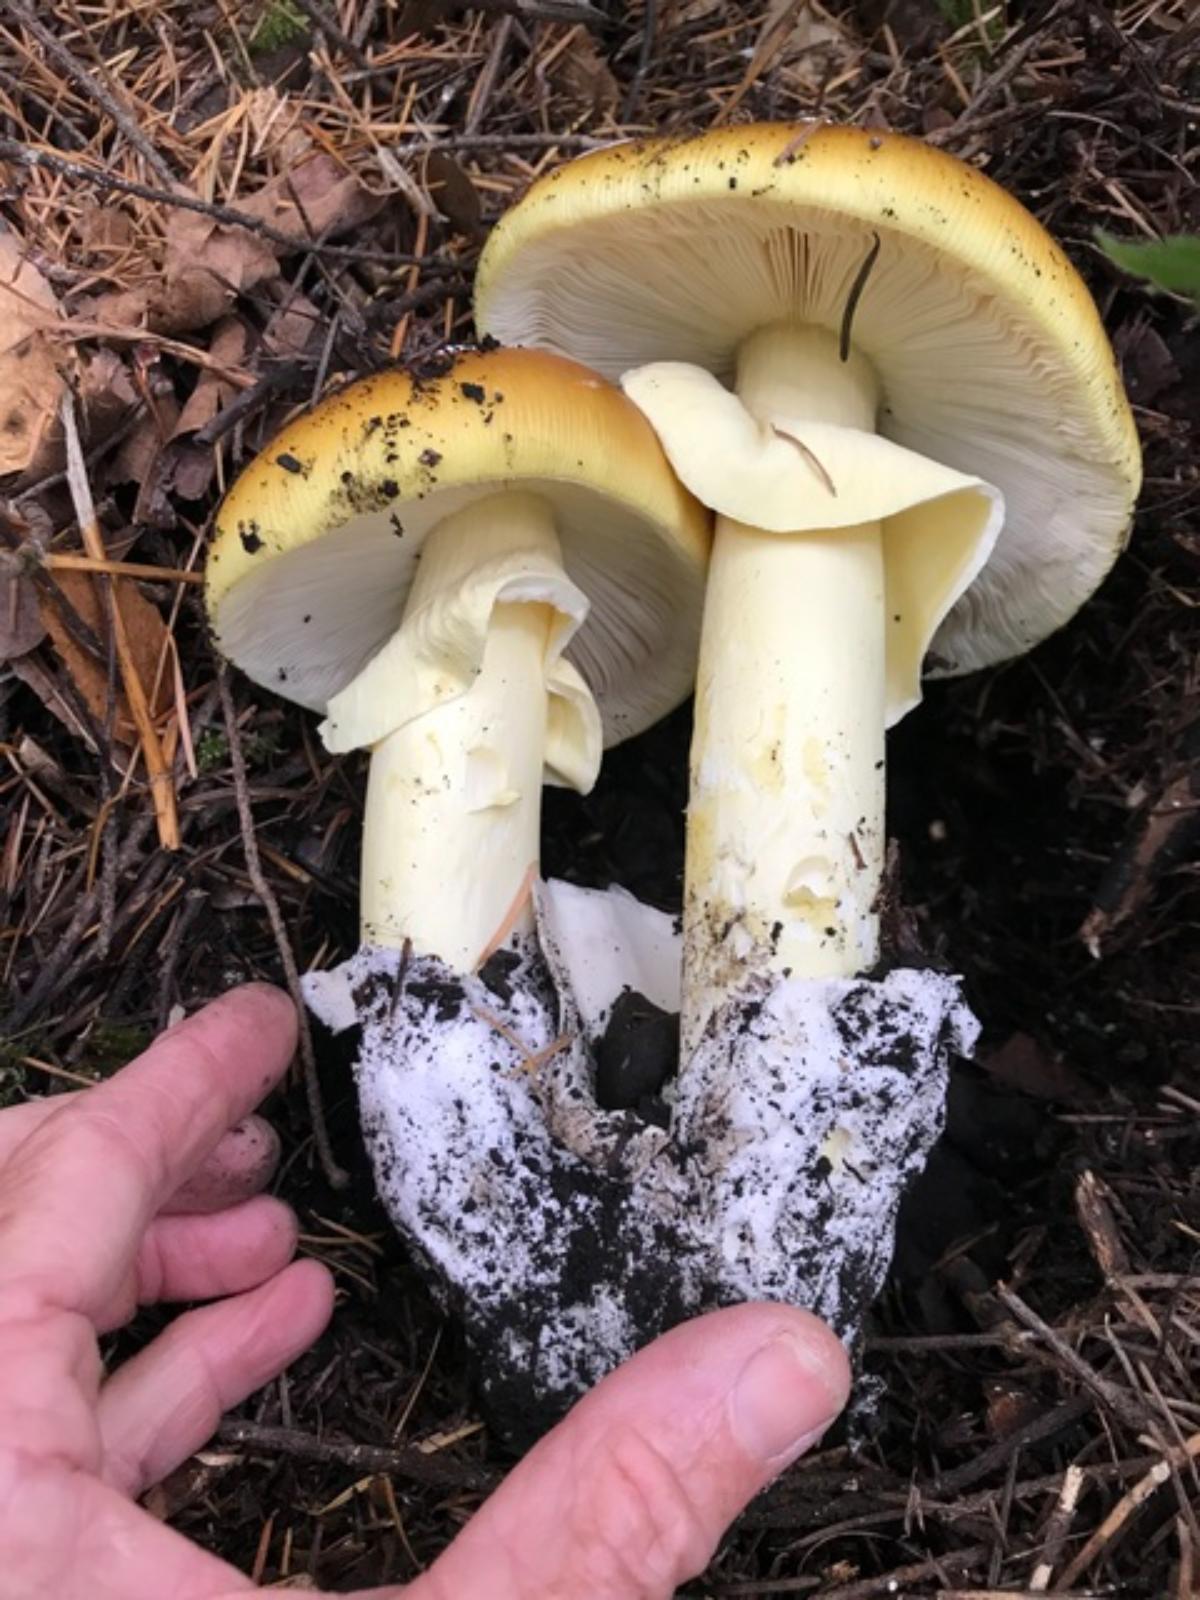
(837, 555)
(797, 1126)
(468, 709)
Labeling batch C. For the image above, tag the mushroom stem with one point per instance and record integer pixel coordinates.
(786, 810)
(453, 809)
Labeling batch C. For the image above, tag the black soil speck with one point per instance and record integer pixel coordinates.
(637, 1054)
(497, 971)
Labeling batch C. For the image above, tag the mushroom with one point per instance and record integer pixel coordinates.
(480, 577)
(896, 392)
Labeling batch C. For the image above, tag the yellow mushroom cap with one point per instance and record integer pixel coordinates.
(990, 353)
(317, 542)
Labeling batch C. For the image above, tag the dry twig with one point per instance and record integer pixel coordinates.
(337, 1177)
(162, 786)
(412, 1463)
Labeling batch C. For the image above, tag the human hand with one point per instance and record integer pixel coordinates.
(95, 1221)
(624, 1501)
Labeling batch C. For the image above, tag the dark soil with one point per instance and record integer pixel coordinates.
(1043, 1311)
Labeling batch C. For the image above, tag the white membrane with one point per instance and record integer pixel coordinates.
(307, 622)
(567, 1236)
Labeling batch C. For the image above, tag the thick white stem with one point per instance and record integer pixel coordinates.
(785, 816)
(453, 808)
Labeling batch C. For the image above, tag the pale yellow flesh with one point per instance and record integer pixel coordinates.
(785, 816)
(453, 810)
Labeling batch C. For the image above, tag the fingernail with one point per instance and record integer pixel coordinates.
(784, 1400)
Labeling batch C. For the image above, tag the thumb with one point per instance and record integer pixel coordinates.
(629, 1496)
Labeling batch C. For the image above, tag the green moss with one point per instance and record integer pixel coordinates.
(13, 1085)
(109, 1046)
(212, 749)
(279, 25)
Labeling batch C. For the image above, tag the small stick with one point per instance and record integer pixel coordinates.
(535, 10)
(280, 377)
(645, 51)
(401, 980)
(334, 1174)
(788, 153)
(410, 1463)
(1117, 1401)
(162, 788)
(92, 90)
(64, 561)
(1008, 69)
(1185, 1583)
(885, 1583)
(511, 917)
(24, 155)
(52, 1071)
(531, 1060)
(810, 456)
(1057, 1529)
(855, 295)
(1129, 1502)
(324, 20)
(504, 142)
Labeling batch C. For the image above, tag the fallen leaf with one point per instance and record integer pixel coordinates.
(1024, 1064)
(144, 456)
(192, 469)
(453, 193)
(33, 673)
(29, 529)
(105, 232)
(183, 466)
(584, 76)
(106, 394)
(318, 199)
(205, 268)
(293, 326)
(21, 627)
(236, 257)
(1147, 363)
(147, 640)
(31, 385)
(207, 264)
(277, 123)
(229, 343)
(1009, 1408)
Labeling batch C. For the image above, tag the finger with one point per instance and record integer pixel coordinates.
(632, 1493)
(202, 1257)
(115, 1154)
(18, 1122)
(70, 1536)
(167, 1401)
(242, 1165)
